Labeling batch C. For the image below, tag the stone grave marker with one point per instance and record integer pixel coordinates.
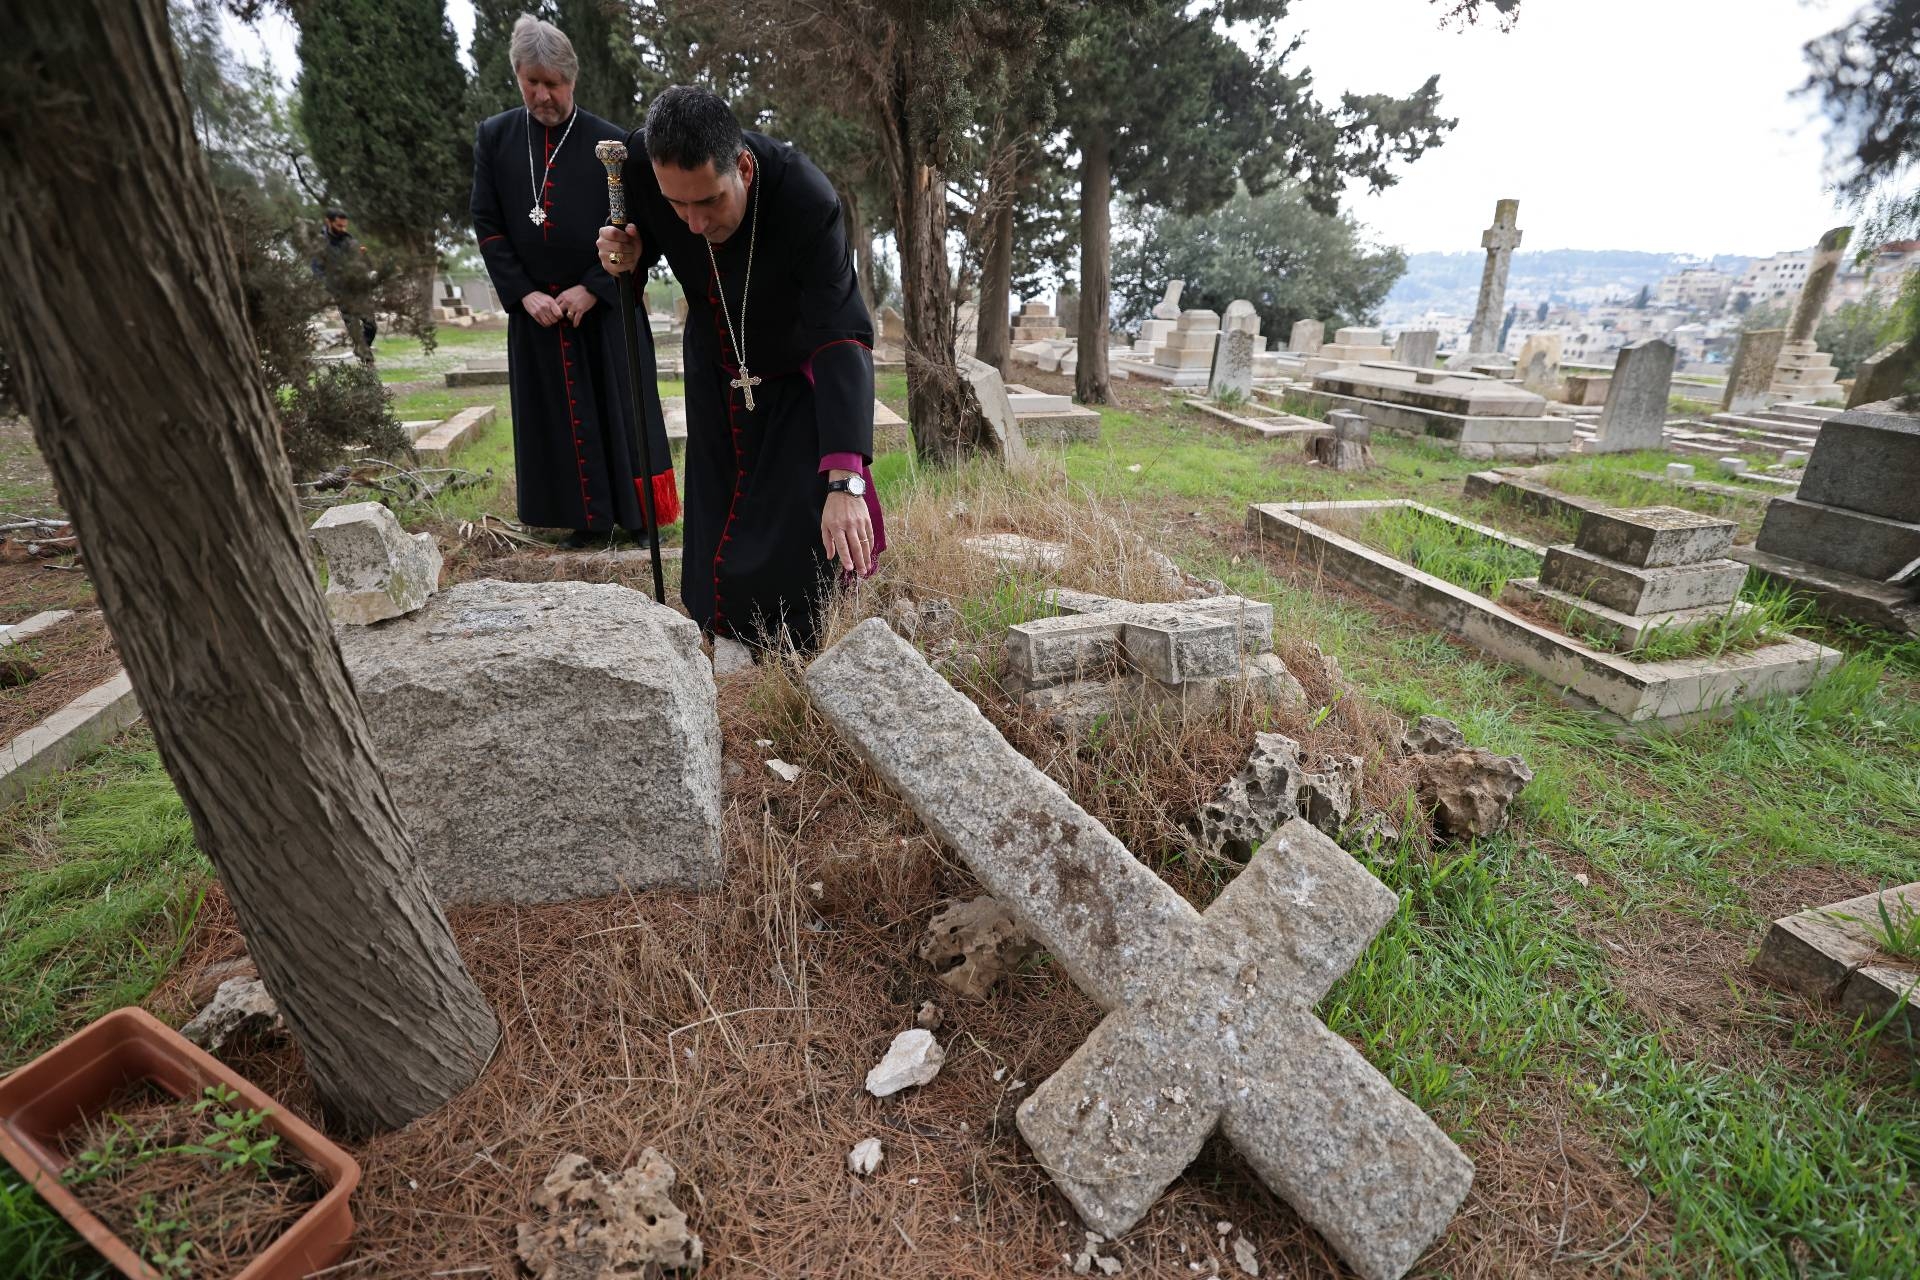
(1307, 337)
(1750, 377)
(1635, 416)
(1417, 347)
(991, 390)
(1885, 375)
(1168, 308)
(1499, 240)
(1232, 366)
(1803, 372)
(1210, 1020)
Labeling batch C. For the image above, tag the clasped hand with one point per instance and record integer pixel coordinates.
(570, 305)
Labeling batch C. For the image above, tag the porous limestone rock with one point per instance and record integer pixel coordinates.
(1468, 788)
(375, 571)
(239, 1005)
(546, 740)
(1273, 788)
(913, 1058)
(971, 945)
(865, 1156)
(593, 1227)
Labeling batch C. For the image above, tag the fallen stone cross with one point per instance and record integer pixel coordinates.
(1210, 1018)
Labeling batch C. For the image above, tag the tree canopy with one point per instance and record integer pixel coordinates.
(1290, 260)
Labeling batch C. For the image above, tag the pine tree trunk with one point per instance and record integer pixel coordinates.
(1096, 266)
(862, 241)
(945, 418)
(120, 308)
(993, 343)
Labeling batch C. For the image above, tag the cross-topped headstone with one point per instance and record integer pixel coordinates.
(1210, 1018)
(1499, 240)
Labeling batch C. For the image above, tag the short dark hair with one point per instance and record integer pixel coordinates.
(335, 211)
(689, 127)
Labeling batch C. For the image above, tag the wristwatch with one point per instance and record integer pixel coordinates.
(855, 485)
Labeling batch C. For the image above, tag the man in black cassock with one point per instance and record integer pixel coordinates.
(539, 194)
(779, 366)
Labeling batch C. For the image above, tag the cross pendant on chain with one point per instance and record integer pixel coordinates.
(746, 382)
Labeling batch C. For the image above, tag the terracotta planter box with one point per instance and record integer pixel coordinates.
(72, 1082)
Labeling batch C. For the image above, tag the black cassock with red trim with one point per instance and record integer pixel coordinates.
(573, 444)
(754, 484)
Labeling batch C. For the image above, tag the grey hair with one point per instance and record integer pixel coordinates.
(541, 44)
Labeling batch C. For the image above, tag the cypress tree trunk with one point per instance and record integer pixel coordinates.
(993, 343)
(134, 361)
(862, 241)
(1096, 266)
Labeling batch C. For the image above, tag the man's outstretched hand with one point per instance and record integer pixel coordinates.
(623, 243)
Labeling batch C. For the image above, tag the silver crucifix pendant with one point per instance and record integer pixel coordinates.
(537, 216)
(746, 382)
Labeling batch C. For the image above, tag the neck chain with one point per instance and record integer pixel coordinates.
(746, 382)
(538, 214)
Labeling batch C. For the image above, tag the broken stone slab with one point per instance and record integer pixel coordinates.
(1654, 537)
(991, 391)
(1641, 591)
(45, 620)
(375, 570)
(1867, 462)
(972, 945)
(69, 733)
(1126, 1114)
(1834, 954)
(1860, 543)
(593, 1227)
(239, 1005)
(546, 740)
(914, 1058)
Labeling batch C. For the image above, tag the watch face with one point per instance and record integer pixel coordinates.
(857, 486)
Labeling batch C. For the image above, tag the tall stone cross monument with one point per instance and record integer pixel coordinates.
(1499, 240)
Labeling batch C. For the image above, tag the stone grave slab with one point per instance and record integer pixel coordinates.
(1867, 546)
(481, 371)
(57, 742)
(441, 441)
(1750, 377)
(1832, 954)
(546, 741)
(1209, 1022)
(1417, 347)
(1306, 337)
(1635, 415)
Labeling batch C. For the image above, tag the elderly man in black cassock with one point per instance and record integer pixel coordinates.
(779, 367)
(539, 193)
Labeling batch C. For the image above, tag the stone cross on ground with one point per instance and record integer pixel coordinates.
(1499, 240)
(1210, 1018)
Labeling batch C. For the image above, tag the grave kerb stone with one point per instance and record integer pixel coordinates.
(1654, 537)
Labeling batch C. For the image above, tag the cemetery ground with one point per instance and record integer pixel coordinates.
(1569, 999)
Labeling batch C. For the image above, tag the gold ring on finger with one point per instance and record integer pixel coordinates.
(614, 258)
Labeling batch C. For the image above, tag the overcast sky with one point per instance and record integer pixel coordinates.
(1663, 125)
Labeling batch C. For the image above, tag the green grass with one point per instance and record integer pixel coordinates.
(1447, 551)
(100, 884)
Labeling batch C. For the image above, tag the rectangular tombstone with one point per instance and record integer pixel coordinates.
(1357, 337)
(1867, 546)
(1654, 537)
(1750, 379)
(1867, 462)
(1232, 366)
(1635, 416)
(1885, 375)
(1306, 337)
(1640, 591)
(1417, 347)
(1176, 648)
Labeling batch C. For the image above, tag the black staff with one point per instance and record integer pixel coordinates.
(614, 155)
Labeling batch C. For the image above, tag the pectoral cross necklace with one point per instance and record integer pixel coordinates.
(538, 214)
(746, 382)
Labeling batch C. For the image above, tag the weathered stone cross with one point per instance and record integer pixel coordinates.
(1209, 1018)
(1499, 240)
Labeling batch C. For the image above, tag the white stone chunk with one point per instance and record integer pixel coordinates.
(914, 1058)
(374, 570)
